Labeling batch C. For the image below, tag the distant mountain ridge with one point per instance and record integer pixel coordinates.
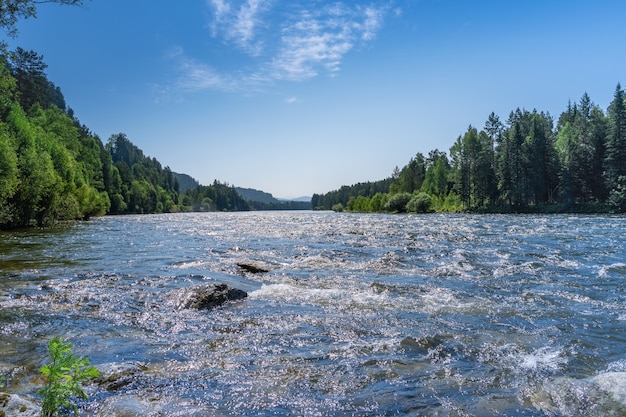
(303, 199)
(185, 182)
(250, 194)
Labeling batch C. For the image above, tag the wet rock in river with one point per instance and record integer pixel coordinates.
(205, 297)
(14, 405)
(128, 406)
(115, 376)
(603, 395)
(423, 344)
(253, 269)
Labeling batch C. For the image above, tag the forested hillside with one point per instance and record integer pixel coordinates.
(526, 164)
(186, 182)
(53, 168)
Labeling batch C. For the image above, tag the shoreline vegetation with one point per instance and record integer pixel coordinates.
(53, 169)
(528, 164)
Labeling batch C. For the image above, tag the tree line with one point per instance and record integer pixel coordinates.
(527, 163)
(53, 168)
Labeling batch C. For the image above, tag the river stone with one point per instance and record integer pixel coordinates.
(14, 405)
(128, 406)
(206, 297)
(614, 384)
(601, 396)
(115, 376)
(253, 269)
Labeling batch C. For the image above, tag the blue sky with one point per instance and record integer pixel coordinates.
(301, 97)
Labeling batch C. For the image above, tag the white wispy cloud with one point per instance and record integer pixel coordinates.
(373, 21)
(197, 76)
(239, 22)
(285, 40)
(310, 45)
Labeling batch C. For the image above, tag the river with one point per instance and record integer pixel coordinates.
(359, 315)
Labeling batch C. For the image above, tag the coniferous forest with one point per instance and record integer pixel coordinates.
(528, 163)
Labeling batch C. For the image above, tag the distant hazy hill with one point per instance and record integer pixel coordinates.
(304, 199)
(250, 194)
(185, 182)
(260, 200)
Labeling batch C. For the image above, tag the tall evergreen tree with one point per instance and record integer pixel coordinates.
(437, 172)
(33, 86)
(598, 134)
(510, 163)
(616, 143)
(541, 159)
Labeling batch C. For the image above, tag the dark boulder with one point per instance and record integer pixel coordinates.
(206, 297)
(253, 269)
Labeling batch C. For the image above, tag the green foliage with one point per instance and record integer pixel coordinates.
(280, 205)
(617, 198)
(64, 375)
(616, 139)
(581, 149)
(185, 182)
(43, 175)
(216, 197)
(377, 203)
(8, 169)
(451, 203)
(11, 11)
(436, 177)
(397, 202)
(8, 87)
(411, 177)
(91, 202)
(342, 195)
(137, 183)
(523, 165)
(28, 69)
(420, 203)
(338, 208)
(259, 200)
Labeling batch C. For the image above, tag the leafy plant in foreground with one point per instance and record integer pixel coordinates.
(63, 374)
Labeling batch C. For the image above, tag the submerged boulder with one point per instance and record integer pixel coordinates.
(206, 297)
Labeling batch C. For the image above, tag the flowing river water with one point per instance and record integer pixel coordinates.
(358, 315)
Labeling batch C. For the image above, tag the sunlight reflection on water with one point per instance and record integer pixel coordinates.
(358, 315)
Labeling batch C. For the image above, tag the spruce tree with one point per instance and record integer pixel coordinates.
(616, 144)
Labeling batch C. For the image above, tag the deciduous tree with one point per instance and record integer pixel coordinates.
(11, 11)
